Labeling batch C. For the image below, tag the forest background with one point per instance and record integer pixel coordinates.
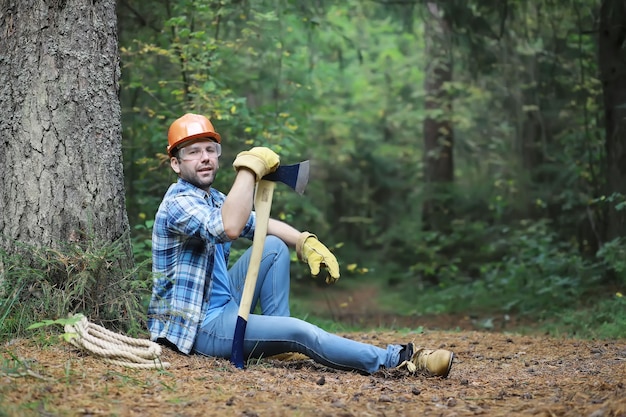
(467, 157)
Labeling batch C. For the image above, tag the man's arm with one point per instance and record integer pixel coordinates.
(238, 203)
(308, 248)
(251, 166)
(285, 232)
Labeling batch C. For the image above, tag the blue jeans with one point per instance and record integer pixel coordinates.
(273, 331)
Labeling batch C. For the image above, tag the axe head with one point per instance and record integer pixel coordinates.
(295, 176)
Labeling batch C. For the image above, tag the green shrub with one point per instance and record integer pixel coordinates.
(525, 269)
(44, 283)
(604, 320)
(613, 255)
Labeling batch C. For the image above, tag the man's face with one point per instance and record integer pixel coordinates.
(197, 163)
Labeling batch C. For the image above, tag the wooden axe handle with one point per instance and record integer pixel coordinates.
(262, 207)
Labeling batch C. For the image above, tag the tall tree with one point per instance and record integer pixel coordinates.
(438, 129)
(612, 64)
(61, 124)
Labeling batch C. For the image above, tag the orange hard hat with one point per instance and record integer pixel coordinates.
(188, 127)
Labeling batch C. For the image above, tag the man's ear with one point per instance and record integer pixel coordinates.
(174, 164)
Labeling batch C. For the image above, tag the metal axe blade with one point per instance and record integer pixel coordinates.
(296, 176)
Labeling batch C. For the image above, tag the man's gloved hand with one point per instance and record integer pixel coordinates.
(315, 254)
(260, 160)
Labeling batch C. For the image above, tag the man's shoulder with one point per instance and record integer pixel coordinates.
(185, 194)
(182, 188)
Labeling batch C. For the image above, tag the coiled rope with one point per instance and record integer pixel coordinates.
(113, 347)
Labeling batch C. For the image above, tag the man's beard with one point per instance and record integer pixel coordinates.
(202, 184)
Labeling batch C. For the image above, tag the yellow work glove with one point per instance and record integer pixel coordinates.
(315, 254)
(260, 160)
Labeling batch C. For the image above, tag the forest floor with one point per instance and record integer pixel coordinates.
(494, 373)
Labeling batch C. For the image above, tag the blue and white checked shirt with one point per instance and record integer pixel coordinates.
(187, 228)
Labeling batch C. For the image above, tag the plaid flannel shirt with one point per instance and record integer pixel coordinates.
(187, 226)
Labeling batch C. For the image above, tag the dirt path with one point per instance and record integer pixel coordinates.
(494, 374)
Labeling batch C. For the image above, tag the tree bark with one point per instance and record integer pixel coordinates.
(60, 124)
(612, 63)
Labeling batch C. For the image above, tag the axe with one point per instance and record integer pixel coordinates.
(296, 177)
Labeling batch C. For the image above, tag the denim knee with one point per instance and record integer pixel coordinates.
(274, 244)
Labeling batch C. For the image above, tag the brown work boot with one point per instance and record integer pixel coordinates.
(433, 362)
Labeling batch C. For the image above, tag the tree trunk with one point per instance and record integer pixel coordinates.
(612, 63)
(60, 124)
(438, 133)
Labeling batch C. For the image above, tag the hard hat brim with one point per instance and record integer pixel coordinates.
(204, 135)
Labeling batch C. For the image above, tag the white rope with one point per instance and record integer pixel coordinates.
(113, 347)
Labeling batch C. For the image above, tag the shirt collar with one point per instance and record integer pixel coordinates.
(212, 197)
(187, 186)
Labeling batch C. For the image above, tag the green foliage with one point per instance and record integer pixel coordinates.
(613, 255)
(524, 270)
(343, 85)
(62, 322)
(539, 274)
(42, 282)
(142, 241)
(604, 320)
